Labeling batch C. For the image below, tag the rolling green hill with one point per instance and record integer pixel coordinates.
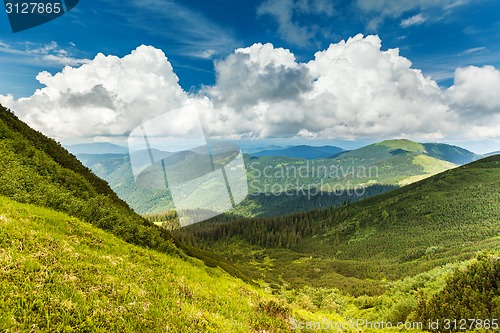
(392, 162)
(403, 144)
(386, 165)
(37, 170)
(59, 274)
(446, 218)
(74, 257)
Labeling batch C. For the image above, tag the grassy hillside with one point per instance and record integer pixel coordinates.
(391, 162)
(59, 274)
(431, 166)
(37, 170)
(446, 218)
(399, 162)
(403, 144)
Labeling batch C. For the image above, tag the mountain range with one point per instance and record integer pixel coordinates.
(96, 148)
(302, 151)
(384, 165)
(75, 257)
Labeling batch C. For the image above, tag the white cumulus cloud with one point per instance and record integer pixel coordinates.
(105, 97)
(474, 95)
(352, 90)
(476, 90)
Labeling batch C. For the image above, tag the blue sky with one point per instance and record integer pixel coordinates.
(436, 36)
(195, 33)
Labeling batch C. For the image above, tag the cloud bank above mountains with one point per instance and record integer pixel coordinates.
(354, 89)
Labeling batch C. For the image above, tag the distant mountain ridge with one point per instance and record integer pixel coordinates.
(302, 151)
(445, 152)
(96, 148)
(453, 154)
(251, 150)
(399, 162)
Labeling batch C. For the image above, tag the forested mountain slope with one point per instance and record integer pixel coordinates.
(38, 170)
(445, 218)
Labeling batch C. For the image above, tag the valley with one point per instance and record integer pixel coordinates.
(74, 256)
(445, 218)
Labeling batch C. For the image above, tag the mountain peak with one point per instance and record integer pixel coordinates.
(403, 144)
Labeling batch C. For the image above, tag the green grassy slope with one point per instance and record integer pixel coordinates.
(403, 144)
(117, 171)
(402, 161)
(37, 170)
(446, 218)
(59, 274)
